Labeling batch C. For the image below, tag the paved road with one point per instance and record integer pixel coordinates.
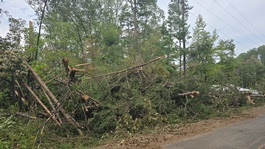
(248, 134)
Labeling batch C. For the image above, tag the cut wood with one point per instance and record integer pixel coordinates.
(249, 99)
(44, 86)
(41, 103)
(189, 93)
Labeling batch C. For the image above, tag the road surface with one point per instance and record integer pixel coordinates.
(248, 134)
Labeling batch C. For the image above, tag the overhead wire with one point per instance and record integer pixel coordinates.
(242, 24)
(221, 32)
(243, 16)
(222, 20)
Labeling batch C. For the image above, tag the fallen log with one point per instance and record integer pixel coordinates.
(44, 86)
(41, 103)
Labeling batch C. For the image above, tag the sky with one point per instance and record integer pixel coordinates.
(245, 24)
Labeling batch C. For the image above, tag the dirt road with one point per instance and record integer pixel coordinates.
(249, 134)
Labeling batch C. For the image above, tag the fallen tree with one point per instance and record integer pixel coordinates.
(57, 103)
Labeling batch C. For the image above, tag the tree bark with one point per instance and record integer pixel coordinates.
(184, 37)
(180, 58)
(40, 102)
(44, 86)
(51, 104)
(134, 10)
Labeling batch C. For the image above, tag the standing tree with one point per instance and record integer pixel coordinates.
(175, 26)
(202, 50)
(185, 30)
(178, 27)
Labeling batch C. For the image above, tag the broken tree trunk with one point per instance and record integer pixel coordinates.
(71, 71)
(44, 86)
(41, 103)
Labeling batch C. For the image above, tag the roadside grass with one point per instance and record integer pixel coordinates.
(16, 132)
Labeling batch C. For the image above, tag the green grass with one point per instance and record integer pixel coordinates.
(25, 134)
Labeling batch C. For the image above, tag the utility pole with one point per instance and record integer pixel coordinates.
(184, 36)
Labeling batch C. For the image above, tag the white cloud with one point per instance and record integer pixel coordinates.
(17, 9)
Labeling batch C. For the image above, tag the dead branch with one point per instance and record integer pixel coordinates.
(25, 115)
(21, 98)
(57, 77)
(80, 65)
(126, 70)
(40, 102)
(257, 95)
(19, 86)
(190, 93)
(51, 104)
(44, 86)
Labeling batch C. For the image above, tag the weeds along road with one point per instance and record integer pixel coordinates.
(249, 134)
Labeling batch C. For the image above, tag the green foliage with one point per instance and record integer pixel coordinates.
(4, 99)
(103, 122)
(11, 64)
(14, 135)
(107, 37)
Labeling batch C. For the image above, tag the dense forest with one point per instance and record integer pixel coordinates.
(100, 68)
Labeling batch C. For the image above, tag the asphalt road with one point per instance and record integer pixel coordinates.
(248, 134)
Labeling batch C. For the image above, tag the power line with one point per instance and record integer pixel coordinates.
(237, 20)
(244, 16)
(222, 20)
(222, 32)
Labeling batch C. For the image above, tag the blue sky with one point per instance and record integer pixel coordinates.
(246, 35)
